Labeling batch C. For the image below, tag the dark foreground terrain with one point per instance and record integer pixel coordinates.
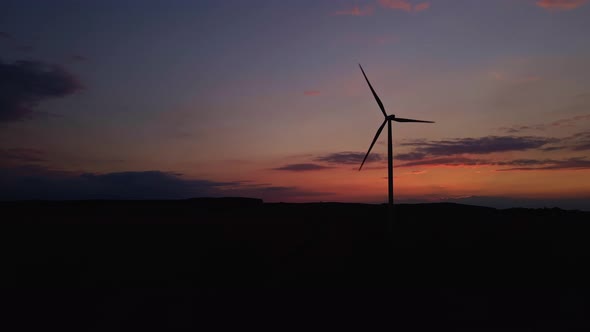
(240, 264)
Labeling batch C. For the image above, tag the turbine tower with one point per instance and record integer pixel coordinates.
(388, 119)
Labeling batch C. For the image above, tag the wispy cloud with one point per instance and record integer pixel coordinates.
(348, 158)
(77, 58)
(565, 122)
(548, 164)
(511, 165)
(5, 35)
(526, 162)
(396, 4)
(404, 5)
(301, 167)
(410, 156)
(21, 155)
(422, 6)
(446, 161)
(517, 129)
(14, 43)
(356, 11)
(513, 78)
(460, 151)
(24, 48)
(570, 122)
(481, 145)
(561, 4)
(382, 40)
(576, 142)
(311, 92)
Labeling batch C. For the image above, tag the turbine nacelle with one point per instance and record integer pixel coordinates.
(390, 117)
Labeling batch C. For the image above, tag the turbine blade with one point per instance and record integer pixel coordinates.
(374, 93)
(373, 143)
(410, 120)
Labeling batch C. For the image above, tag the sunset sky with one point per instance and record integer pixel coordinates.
(177, 99)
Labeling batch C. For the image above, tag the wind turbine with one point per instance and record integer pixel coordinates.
(388, 119)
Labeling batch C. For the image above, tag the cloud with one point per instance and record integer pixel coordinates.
(410, 156)
(24, 84)
(526, 162)
(446, 161)
(540, 165)
(24, 48)
(20, 155)
(582, 147)
(561, 4)
(570, 122)
(311, 92)
(77, 58)
(576, 142)
(514, 79)
(383, 40)
(348, 158)
(481, 145)
(561, 123)
(34, 182)
(13, 42)
(422, 6)
(123, 185)
(356, 11)
(301, 167)
(404, 5)
(518, 129)
(455, 152)
(5, 35)
(396, 4)
(522, 164)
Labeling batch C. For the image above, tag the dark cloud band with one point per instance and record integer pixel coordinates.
(348, 158)
(39, 183)
(24, 84)
(481, 145)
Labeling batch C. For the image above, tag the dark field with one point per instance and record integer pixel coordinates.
(219, 263)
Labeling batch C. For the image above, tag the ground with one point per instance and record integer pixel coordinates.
(183, 265)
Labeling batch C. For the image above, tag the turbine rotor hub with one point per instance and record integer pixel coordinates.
(391, 117)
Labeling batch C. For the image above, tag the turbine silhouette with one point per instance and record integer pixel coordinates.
(388, 119)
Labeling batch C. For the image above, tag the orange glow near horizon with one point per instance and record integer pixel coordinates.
(426, 183)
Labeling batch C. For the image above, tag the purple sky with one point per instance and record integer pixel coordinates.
(265, 99)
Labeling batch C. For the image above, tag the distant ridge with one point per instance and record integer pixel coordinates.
(244, 202)
(197, 202)
(226, 201)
